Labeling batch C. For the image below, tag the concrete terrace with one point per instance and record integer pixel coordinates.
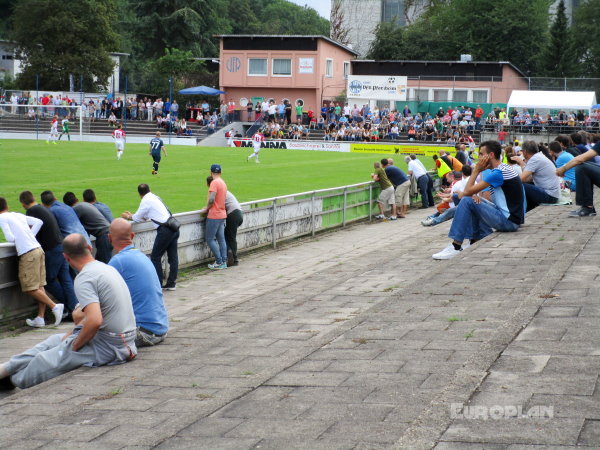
(354, 339)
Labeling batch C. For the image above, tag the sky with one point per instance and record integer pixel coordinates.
(323, 7)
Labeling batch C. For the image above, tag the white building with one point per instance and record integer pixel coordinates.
(10, 65)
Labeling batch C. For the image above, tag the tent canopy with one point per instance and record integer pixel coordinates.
(200, 90)
(566, 100)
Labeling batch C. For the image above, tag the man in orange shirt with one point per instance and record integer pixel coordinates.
(215, 220)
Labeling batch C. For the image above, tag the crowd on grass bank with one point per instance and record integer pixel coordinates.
(493, 189)
(115, 298)
(524, 121)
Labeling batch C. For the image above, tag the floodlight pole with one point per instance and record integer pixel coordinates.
(124, 109)
(81, 107)
(170, 124)
(37, 101)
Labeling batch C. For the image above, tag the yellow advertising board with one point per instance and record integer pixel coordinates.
(399, 149)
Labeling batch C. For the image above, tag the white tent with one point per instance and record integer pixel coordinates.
(564, 100)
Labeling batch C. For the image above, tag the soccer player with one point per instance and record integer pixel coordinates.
(65, 128)
(257, 139)
(156, 145)
(119, 137)
(230, 136)
(53, 131)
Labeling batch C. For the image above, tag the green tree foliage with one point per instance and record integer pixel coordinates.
(490, 30)
(57, 38)
(242, 17)
(585, 31)
(183, 24)
(283, 17)
(559, 57)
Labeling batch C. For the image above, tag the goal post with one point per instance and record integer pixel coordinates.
(37, 119)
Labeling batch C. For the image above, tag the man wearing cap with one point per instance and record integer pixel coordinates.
(215, 218)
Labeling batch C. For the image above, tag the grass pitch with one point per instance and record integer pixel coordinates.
(75, 166)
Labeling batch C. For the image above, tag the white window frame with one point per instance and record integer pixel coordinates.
(471, 100)
(329, 75)
(466, 91)
(273, 74)
(346, 69)
(259, 75)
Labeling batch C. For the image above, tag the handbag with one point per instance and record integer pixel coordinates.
(172, 223)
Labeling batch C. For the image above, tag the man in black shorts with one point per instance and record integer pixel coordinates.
(156, 145)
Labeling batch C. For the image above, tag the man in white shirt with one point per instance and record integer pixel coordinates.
(424, 181)
(21, 230)
(153, 209)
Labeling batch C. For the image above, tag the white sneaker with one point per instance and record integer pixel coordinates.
(466, 245)
(392, 218)
(427, 222)
(448, 253)
(379, 216)
(38, 322)
(58, 313)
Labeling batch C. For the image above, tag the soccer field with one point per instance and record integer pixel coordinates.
(75, 166)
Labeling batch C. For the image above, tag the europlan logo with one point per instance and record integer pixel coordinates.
(497, 412)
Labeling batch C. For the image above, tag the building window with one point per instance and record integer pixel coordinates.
(329, 68)
(393, 11)
(7, 57)
(346, 69)
(257, 67)
(480, 96)
(440, 95)
(421, 95)
(282, 67)
(460, 96)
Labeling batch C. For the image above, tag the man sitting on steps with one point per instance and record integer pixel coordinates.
(478, 213)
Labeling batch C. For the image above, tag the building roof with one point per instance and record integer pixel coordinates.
(290, 36)
(473, 63)
(552, 99)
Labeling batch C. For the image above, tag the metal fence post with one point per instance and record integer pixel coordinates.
(344, 210)
(312, 209)
(370, 201)
(274, 229)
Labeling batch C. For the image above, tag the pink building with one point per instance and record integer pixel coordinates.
(302, 69)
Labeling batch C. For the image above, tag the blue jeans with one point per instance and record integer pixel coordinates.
(536, 195)
(215, 238)
(58, 278)
(425, 184)
(477, 220)
(166, 241)
(103, 248)
(446, 215)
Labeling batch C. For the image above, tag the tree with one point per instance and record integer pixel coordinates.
(283, 17)
(558, 56)
(183, 24)
(242, 18)
(490, 30)
(339, 31)
(55, 38)
(586, 24)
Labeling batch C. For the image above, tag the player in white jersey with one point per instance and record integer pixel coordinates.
(257, 139)
(119, 137)
(230, 136)
(53, 131)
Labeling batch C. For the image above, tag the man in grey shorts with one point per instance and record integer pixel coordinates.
(105, 334)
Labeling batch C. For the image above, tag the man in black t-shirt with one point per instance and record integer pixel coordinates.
(401, 185)
(587, 174)
(58, 278)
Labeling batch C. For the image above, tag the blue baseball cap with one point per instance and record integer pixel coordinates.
(215, 168)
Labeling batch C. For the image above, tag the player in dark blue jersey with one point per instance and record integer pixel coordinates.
(156, 145)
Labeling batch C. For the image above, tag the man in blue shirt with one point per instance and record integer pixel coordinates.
(67, 219)
(401, 186)
(140, 276)
(89, 196)
(478, 214)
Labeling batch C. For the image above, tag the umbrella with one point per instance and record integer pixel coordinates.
(201, 90)
(596, 106)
